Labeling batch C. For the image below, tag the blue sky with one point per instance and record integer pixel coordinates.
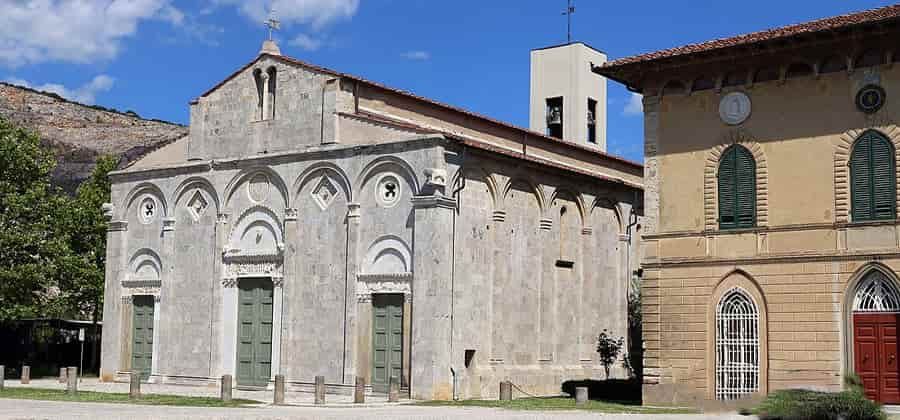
(153, 56)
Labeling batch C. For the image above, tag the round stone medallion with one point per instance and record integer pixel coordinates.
(258, 188)
(734, 108)
(870, 99)
(147, 210)
(389, 190)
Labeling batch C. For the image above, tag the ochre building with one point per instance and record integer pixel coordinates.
(771, 251)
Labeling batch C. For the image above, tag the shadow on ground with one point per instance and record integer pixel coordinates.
(622, 391)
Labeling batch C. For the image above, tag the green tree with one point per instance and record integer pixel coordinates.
(82, 283)
(31, 239)
(52, 246)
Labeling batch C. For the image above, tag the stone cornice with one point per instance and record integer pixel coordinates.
(769, 229)
(433, 201)
(798, 257)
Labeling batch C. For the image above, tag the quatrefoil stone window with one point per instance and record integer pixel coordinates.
(324, 193)
(197, 206)
(147, 210)
(389, 190)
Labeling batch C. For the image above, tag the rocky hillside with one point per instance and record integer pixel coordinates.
(79, 133)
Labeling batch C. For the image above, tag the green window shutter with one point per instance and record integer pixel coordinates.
(727, 213)
(737, 189)
(873, 185)
(746, 188)
(884, 179)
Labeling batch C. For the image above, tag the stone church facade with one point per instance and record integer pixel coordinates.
(771, 253)
(316, 223)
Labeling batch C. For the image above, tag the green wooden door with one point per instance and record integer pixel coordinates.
(142, 336)
(255, 299)
(387, 339)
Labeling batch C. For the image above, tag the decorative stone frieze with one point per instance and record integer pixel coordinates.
(368, 284)
(141, 283)
(237, 266)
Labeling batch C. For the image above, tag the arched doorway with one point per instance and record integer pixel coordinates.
(876, 309)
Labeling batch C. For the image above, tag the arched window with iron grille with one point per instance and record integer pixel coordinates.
(737, 345)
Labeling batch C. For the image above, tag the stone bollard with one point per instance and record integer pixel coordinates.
(72, 377)
(26, 374)
(320, 390)
(359, 394)
(2, 376)
(394, 389)
(581, 395)
(134, 391)
(62, 375)
(506, 391)
(279, 390)
(226, 388)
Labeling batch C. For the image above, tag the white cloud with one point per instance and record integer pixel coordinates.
(416, 55)
(79, 31)
(306, 42)
(635, 105)
(317, 13)
(86, 94)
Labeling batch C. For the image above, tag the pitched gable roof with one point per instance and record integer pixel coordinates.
(323, 70)
(880, 15)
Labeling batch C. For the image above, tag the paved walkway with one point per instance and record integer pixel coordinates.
(294, 398)
(27, 409)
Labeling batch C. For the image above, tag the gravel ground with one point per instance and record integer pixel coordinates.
(28, 409)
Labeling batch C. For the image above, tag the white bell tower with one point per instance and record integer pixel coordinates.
(568, 100)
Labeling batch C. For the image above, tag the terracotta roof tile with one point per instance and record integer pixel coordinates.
(830, 23)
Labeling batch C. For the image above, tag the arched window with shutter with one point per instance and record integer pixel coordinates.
(737, 188)
(873, 182)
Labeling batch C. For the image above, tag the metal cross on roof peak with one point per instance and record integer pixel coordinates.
(272, 23)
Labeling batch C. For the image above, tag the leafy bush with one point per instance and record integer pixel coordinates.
(797, 404)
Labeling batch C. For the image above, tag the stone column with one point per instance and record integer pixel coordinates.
(351, 315)
(431, 297)
(220, 360)
(114, 335)
(290, 273)
(160, 341)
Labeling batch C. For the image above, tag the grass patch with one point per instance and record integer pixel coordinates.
(559, 403)
(797, 404)
(103, 397)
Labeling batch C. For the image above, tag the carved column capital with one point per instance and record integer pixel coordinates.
(117, 226)
(353, 210)
(546, 224)
(290, 215)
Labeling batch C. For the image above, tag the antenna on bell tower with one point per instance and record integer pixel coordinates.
(569, 12)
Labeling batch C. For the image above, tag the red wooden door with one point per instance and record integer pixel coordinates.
(876, 353)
